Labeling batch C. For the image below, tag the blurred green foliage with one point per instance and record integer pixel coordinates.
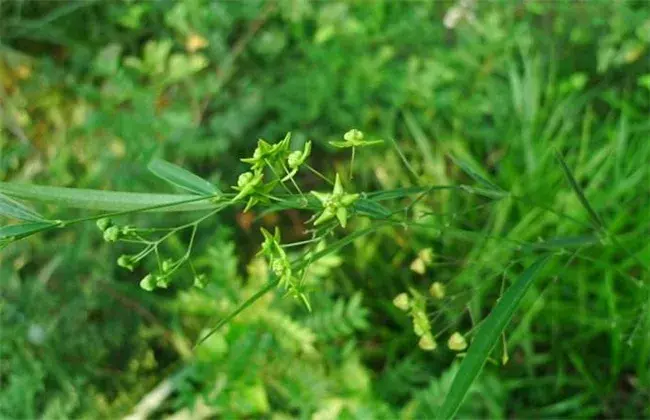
(92, 90)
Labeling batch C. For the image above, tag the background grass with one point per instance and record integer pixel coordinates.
(91, 91)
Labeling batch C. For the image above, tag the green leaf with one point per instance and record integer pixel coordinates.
(181, 178)
(15, 232)
(595, 218)
(105, 200)
(340, 144)
(14, 209)
(474, 174)
(486, 337)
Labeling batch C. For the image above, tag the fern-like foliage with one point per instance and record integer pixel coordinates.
(290, 334)
(342, 320)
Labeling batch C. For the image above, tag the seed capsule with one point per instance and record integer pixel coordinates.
(457, 342)
(437, 290)
(126, 261)
(104, 223)
(112, 234)
(148, 283)
(427, 342)
(402, 301)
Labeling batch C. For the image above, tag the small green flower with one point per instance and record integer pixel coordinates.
(296, 159)
(271, 244)
(335, 204)
(354, 138)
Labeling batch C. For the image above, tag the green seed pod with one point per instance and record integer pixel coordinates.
(104, 223)
(126, 261)
(402, 301)
(167, 265)
(437, 290)
(112, 234)
(353, 135)
(148, 283)
(427, 342)
(457, 342)
(244, 179)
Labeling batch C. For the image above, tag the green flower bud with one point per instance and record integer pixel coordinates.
(148, 283)
(126, 261)
(127, 229)
(200, 281)
(437, 290)
(457, 342)
(278, 267)
(427, 342)
(112, 234)
(402, 301)
(295, 159)
(104, 223)
(167, 265)
(162, 281)
(244, 179)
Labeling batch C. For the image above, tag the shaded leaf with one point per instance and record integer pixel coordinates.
(595, 218)
(486, 337)
(105, 200)
(14, 209)
(19, 231)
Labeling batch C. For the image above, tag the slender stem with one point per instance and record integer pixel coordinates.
(239, 309)
(318, 174)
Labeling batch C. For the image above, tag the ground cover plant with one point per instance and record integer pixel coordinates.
(456, 224)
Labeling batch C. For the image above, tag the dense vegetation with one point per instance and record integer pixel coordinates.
(533, 116)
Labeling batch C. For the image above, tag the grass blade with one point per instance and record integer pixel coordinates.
(14, 209)
(181, 178)
(595, 218)
(103, 200)
(486, 337)
(410, 171)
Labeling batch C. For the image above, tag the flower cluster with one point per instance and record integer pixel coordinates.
(415, 304)
(335, 204)
(281, 266)
(279, 159)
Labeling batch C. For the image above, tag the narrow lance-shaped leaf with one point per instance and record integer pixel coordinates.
(104, 200)
(14, 209)
(474, 174)
(595, 218)
(486, 337)
(23, 230)
(181, 178)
